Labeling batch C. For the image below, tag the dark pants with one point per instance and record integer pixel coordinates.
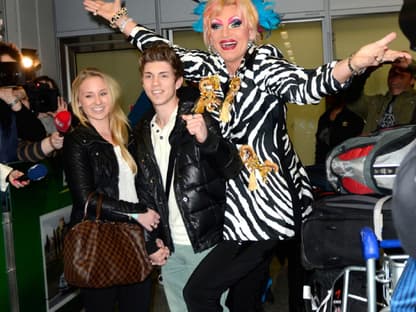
(128, 298)
(240, 267)
(291, 250)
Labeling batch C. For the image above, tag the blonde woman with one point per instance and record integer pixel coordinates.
(97, 159)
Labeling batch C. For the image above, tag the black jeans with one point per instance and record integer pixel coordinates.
(128, 298)
(241, 267)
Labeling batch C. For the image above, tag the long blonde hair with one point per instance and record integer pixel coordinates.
(119, 125)
(245, 7)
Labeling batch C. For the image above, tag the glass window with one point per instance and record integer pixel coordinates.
(301, 43)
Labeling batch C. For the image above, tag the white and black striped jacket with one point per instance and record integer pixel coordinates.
(258, 117)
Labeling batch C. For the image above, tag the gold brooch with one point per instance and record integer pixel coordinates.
(252, 162)
(208, 99)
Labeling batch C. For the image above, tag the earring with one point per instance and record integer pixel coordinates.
(210, 49)
(250, 44)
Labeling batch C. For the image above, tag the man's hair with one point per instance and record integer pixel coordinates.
(162, 52)
(10, 50)
(46, 79)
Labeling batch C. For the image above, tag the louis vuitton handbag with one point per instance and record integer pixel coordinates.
(100, 253)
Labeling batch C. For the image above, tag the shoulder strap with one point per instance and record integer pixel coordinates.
(170, 172)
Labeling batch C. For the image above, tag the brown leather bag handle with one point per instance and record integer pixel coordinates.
(98, 205)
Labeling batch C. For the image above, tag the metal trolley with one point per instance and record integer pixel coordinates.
(388, 275)
(380, 275)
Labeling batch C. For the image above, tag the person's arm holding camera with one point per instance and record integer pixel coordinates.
(34, 145)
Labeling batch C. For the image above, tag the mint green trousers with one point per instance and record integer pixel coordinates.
(175, 274)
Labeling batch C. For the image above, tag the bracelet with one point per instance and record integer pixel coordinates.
(120, 13)
(354, 72)
(124, 23)
(16, 100)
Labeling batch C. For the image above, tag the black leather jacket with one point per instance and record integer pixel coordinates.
(199, 181)
(90, 164)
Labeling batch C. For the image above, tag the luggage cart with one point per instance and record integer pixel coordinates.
(391, 268)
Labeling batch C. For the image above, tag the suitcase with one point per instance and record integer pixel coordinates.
(330, 236)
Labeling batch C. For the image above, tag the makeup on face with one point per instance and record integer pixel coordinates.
(233, 22)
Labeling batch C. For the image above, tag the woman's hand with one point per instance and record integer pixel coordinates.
(13, 179)
(149, 220)
(62, 106)
(196, 126)
(161, 256)
(101, 8)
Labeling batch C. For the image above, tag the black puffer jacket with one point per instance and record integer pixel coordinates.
(90, 164)
(199, 181)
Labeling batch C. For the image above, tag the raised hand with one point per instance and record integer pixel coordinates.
(104, 9)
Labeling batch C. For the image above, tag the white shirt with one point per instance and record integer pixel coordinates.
(161, 147)
(126, 185)
(4, 172)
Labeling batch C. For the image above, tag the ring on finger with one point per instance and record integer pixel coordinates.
(95, 13)
(378, 59)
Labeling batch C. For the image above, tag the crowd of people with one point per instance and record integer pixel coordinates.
(210, 173)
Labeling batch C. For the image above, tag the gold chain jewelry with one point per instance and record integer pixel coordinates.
(208, 99)
(229, 99)
(252, 162)
(120, 13)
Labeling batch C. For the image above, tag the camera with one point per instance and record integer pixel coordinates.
(41, 97)
(11, 74)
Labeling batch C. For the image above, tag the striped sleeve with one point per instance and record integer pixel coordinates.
(30, 151)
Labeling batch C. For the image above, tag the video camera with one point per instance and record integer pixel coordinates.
(11, 74)
(41, 97)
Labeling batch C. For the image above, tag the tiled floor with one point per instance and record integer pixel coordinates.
(279, 293)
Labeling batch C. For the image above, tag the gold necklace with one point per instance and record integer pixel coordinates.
(208, 99)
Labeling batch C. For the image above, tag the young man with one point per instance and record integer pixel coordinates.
(183, 164)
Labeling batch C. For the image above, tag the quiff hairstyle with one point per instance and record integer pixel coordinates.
(162, 52)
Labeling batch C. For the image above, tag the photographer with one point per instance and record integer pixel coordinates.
(22, 135)
(43, 98)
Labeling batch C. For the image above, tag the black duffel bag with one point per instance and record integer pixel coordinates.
(331, 234)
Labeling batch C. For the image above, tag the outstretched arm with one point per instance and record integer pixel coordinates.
(109, 11)
(372, 54)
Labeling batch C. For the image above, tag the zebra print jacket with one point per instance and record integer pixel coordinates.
(275, 209)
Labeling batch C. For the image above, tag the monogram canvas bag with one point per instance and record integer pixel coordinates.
(101, 253)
